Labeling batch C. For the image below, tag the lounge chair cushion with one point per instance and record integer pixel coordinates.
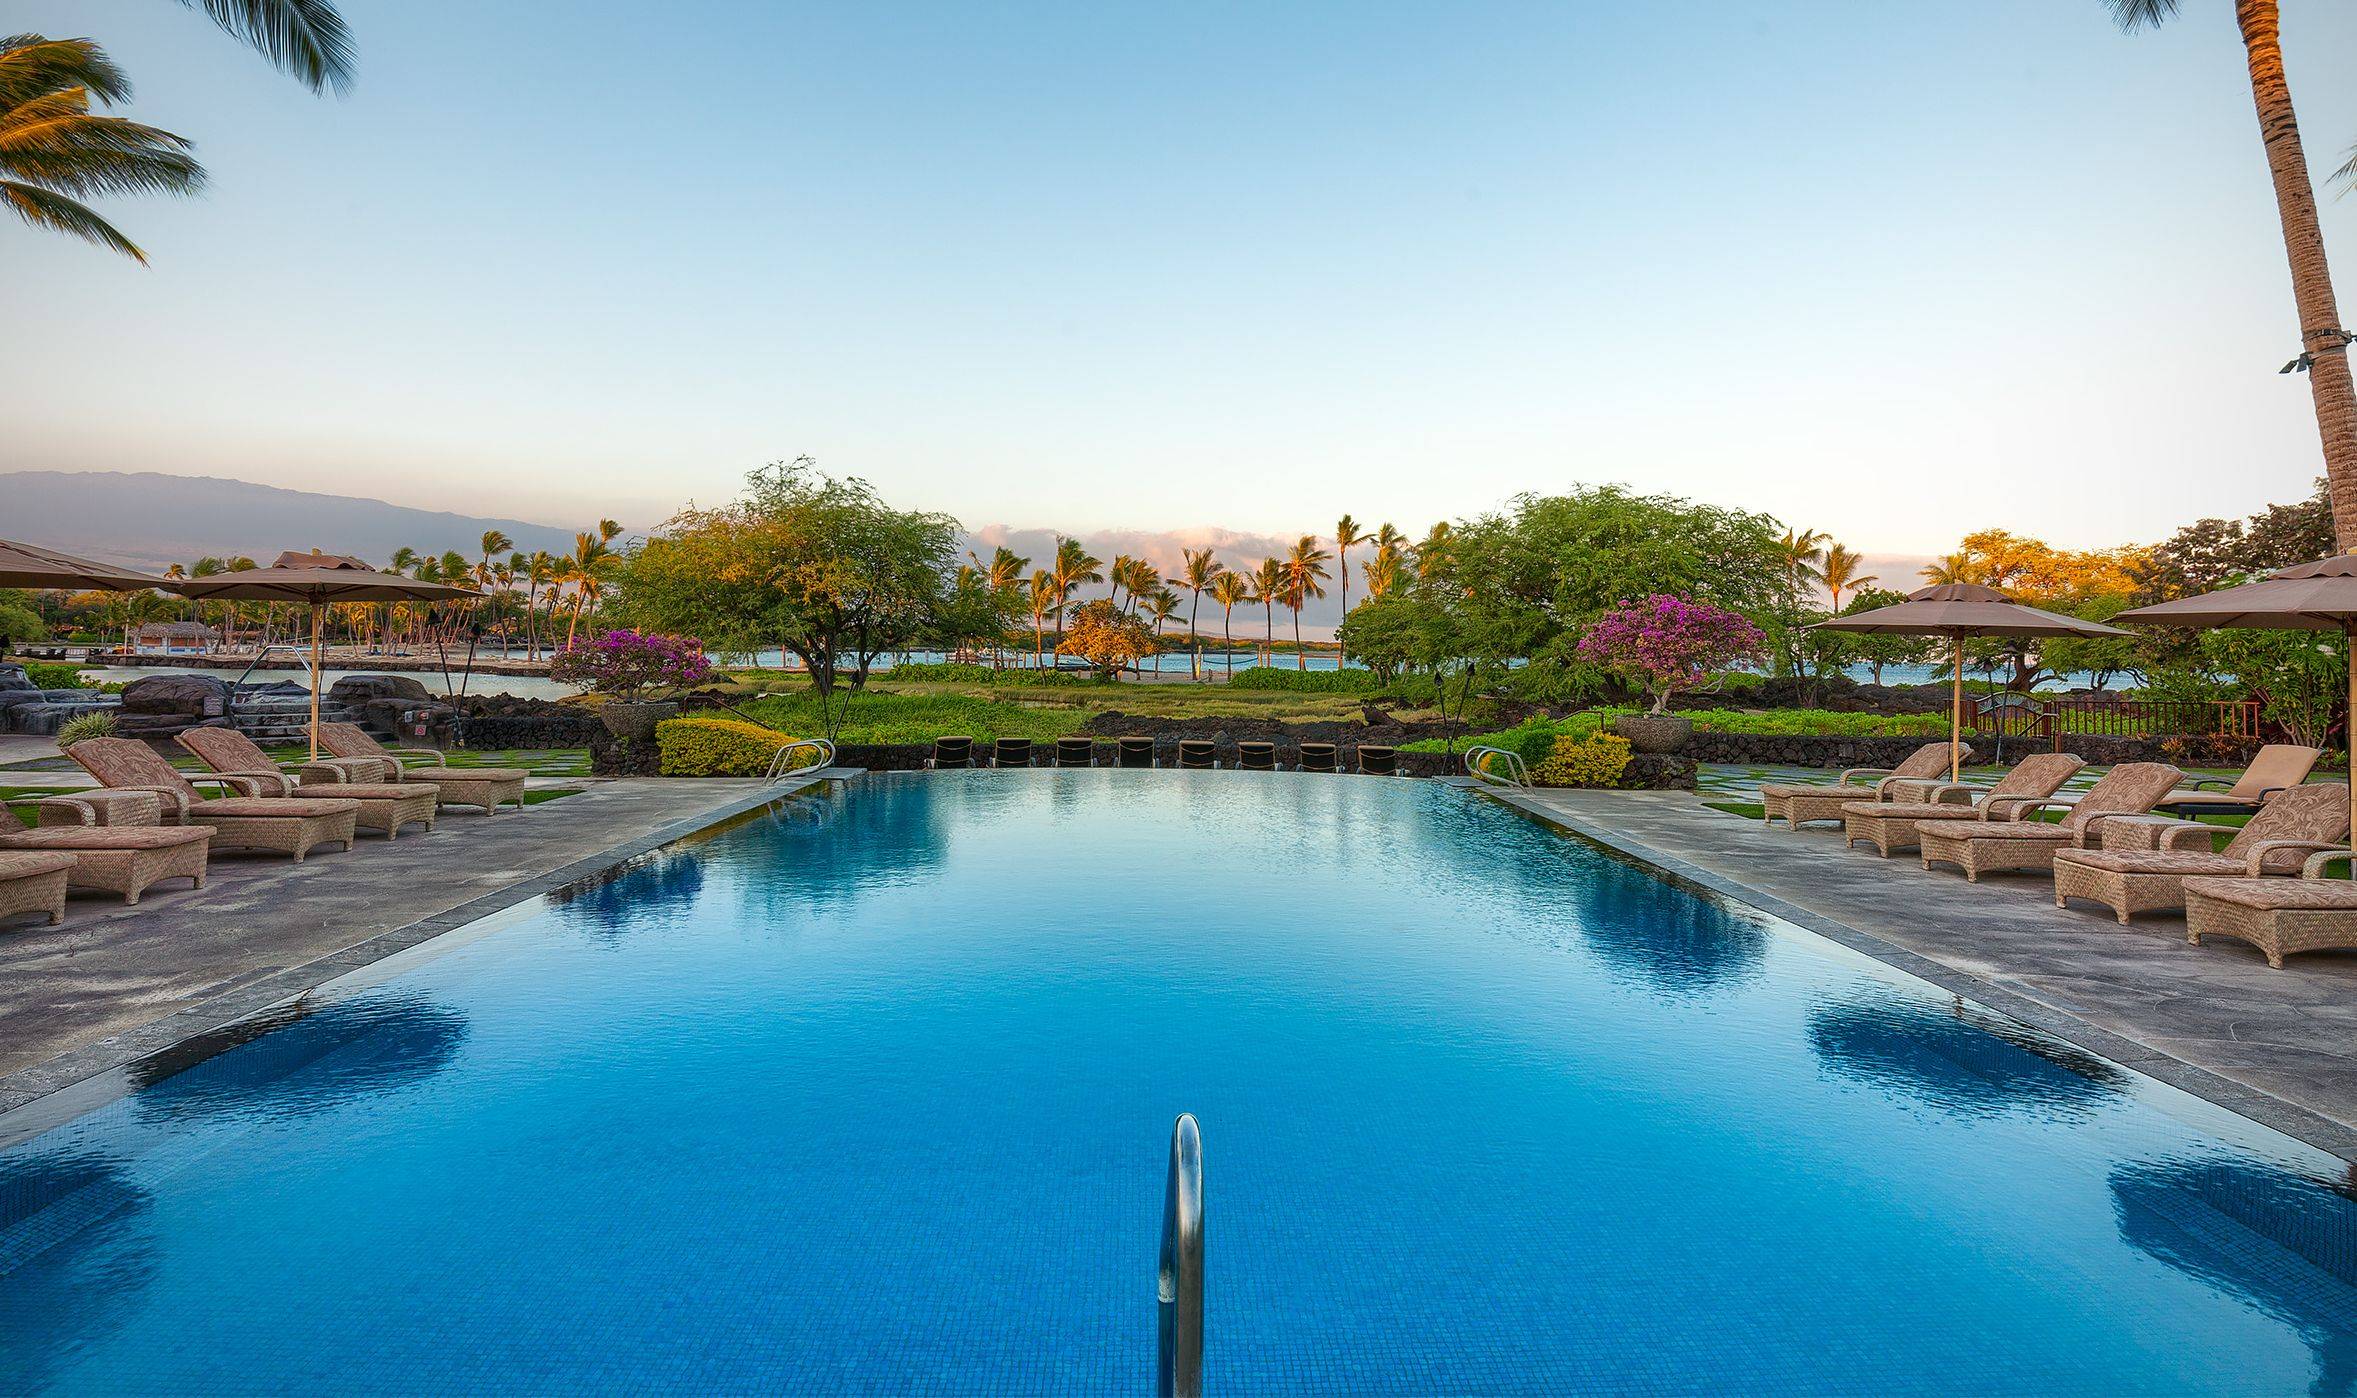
(270, 807)
(2317, 895)
(2192, 863)
(460, 774)
(32, 865)
(1913, 810)
(362, 791)
(105, 837)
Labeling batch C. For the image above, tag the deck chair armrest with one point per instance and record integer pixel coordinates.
(270, 783)
(422, 757)
(332, 773)
(173, 799)
(2008, 807)
(2314, 868)
(1849, 776)
(2182, 834)
(2210, 784)
(2089, 835)
(2029, 807)
(238, 783)
(65, 808)
(2256, 863)
(1952, 794)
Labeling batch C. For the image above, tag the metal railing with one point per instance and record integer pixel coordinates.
(1179, 1289)
(781, 766)
(1480, 763)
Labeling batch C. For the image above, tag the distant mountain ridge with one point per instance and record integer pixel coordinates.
(149, 519)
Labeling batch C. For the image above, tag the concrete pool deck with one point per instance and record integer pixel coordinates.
(2276, 1046)
(113, 984)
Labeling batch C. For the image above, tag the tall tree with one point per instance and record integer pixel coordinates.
(54, 153)
(1804, 551)
(2324, 345)
(1305, 571)
(1268, 589)
(1043, 597)
(1839, 572)
(1200, 568)
(1229, 589)
(1075, 568)
(1347, 536)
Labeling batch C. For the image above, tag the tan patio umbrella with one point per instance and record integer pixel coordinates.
(2319, 596)
(318, 581)
(1958, 610)
(30, 565)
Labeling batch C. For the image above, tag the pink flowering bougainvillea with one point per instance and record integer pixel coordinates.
(626, 664)
(1668, 644)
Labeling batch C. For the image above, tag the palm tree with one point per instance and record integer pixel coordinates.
(590, 562)
(1347, 536)
(1305, 568)
(2324, 345)
(1044, 593)
(1382, 572)
(1001, 576)
(1161, 604)
(1268, 587)
(1075, 568)
(1839, 572)
(54, 153)
(1124, 567)
(1803, 550)
(1950, 568)
(493, 542)
(1229, 589)
(537, 570)
(1199, 569)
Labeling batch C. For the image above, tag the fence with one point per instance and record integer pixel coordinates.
(2022, 716)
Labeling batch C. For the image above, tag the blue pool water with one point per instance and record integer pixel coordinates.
(873, 1096)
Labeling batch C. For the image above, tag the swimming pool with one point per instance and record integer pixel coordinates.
(873, 1095)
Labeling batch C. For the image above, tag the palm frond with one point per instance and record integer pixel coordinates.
(45, 209)
(2346, 176)
(2133, 15)
(32, 65)
(304, 38)
(54, 141)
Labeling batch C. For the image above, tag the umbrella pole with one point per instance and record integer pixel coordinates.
(317, 612)
(1956, 709)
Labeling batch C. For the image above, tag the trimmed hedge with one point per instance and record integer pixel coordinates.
(966, 672)
(1305, 681)
(1597, 760)
(719, 747)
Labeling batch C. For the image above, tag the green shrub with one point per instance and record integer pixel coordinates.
(1533, 740)
(1802, 722)
(82, 727)
(881, 716)
(1306, 681)
(53, 675)
(966, 672)
(721, 747)
(1596, 761)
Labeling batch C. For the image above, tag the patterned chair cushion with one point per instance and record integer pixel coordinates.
(2315, 895)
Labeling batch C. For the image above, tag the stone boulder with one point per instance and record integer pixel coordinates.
(46, 718)
(356, 690)
(191, 697)
(13, 678)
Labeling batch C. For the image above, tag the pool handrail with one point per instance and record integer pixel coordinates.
(780, 768)
(1479, 759)
(1179, 1285)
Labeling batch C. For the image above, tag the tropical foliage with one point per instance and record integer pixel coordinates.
(721, 747)
(1668, 644)
(626, 664)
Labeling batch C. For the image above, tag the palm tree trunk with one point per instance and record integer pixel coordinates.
(1195, 639)
(1227, 636)
(1300, 656)
(2321, 336)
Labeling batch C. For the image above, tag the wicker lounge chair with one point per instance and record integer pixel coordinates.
(290, 825)
(1378, 760)
(123, 857)
(2274, 768)
(487, 787)
(1256, 755)
(1197, 754)
(385, 806)
(1010, 752)
(2143, 865)
(2278, 916)
(34, 883)
(1798, 803)
(1890, 825)
(951, 753)
(1133, 751)
(1986, 846)
(1317, 757)
(1076, 752)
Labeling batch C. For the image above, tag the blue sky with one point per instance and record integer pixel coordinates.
(1893, 270)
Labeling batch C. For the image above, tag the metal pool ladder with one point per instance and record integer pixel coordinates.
(1483, 764)
(1180, 1288)
(780, 767)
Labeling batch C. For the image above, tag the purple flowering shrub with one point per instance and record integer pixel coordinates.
(625, 664)
(1670, 645)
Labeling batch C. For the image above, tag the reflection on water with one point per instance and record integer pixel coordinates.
(646, 886)
(75, 1254)
(304, 1062)
(2279, 1241)
(1964, 1061)
(1682, 948)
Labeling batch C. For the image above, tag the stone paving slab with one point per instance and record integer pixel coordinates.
(115, 983)
(2276, 1046)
